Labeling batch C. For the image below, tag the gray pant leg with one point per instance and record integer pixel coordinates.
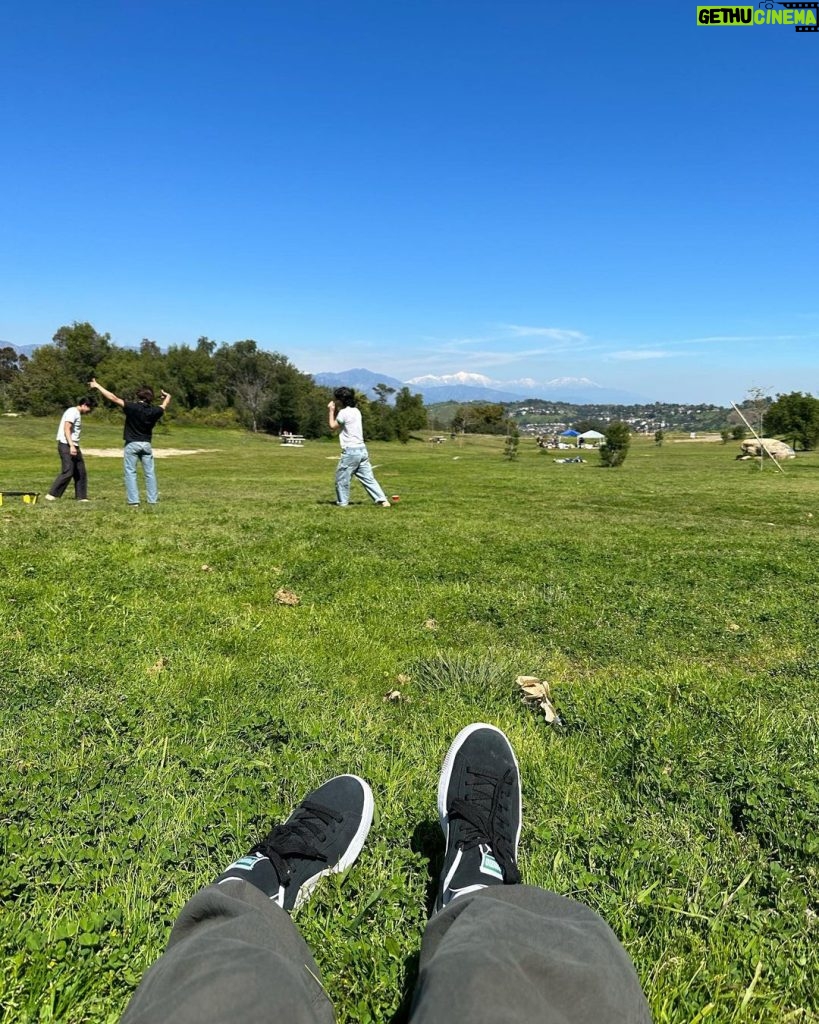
(518, 954)
(233, 955)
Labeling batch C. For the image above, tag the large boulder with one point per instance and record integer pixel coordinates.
(752, 449)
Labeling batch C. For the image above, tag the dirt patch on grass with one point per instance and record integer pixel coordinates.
(159, 453)
(699, 437)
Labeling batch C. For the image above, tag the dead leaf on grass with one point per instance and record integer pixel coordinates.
(396, 697)
(733, 627)
(206, 568)
(430, 624)
(159, 666)
(287, 597)
(535, 693)
(402, 679)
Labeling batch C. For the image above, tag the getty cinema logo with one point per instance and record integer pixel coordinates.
(803, 16)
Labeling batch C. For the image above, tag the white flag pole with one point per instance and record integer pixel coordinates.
(762, 444)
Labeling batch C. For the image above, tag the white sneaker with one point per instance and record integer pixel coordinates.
(50, 497)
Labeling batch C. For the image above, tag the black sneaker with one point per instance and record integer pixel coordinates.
(479, 809)
(322, 836)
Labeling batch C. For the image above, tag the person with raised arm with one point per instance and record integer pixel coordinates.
(141, 417)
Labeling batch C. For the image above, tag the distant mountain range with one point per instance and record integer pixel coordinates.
(21, 350)
(475, 387)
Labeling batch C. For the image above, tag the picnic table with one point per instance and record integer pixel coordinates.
(292, 440)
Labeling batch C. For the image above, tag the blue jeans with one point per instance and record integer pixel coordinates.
(355, 462)
(140, 451)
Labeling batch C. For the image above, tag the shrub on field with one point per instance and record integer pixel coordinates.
(510, 448)
(614, 449)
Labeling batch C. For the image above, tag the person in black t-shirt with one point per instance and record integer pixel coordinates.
(140, 419)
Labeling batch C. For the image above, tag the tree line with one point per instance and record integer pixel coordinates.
(226, 384)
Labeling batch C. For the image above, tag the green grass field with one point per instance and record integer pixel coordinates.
(161, 709)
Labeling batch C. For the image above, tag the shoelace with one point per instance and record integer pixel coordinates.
(297, 837)
(485, 812)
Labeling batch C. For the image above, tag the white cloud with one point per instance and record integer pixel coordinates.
(632, 354)
(743, 338)
(555, 333)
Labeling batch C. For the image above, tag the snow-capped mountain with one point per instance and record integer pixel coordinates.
(462, 379)
(571, 382)
(477, 387)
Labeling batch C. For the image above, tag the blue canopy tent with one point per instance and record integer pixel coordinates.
(571, 433)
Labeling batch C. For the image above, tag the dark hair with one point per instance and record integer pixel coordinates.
(145, 394)
(346, 396)
(86, 400)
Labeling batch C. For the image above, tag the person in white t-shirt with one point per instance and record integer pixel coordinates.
(355, 460)
(72, 466)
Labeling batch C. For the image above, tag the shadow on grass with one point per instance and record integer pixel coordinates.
(427, 840)
(334, 504)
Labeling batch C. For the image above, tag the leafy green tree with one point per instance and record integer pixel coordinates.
(315, 412)
(510, 448)
(614, 449)
(794, 417)
(382, 425)
(244, 376)
(57, 374)
(268, 392)
(10, 368)
(82, 350)
(581, 426)
(738, 432)
(44, 385)
(123, 371)
(659, 437)
(9, 363)
(725, 434)
(190, 374)
(409, 413)
(481, 418)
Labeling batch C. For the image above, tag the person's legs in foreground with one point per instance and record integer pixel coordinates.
(496, 950)
(234, 954)
(363, 471)
(130, 456)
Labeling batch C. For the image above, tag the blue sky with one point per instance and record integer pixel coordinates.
(519, 189)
